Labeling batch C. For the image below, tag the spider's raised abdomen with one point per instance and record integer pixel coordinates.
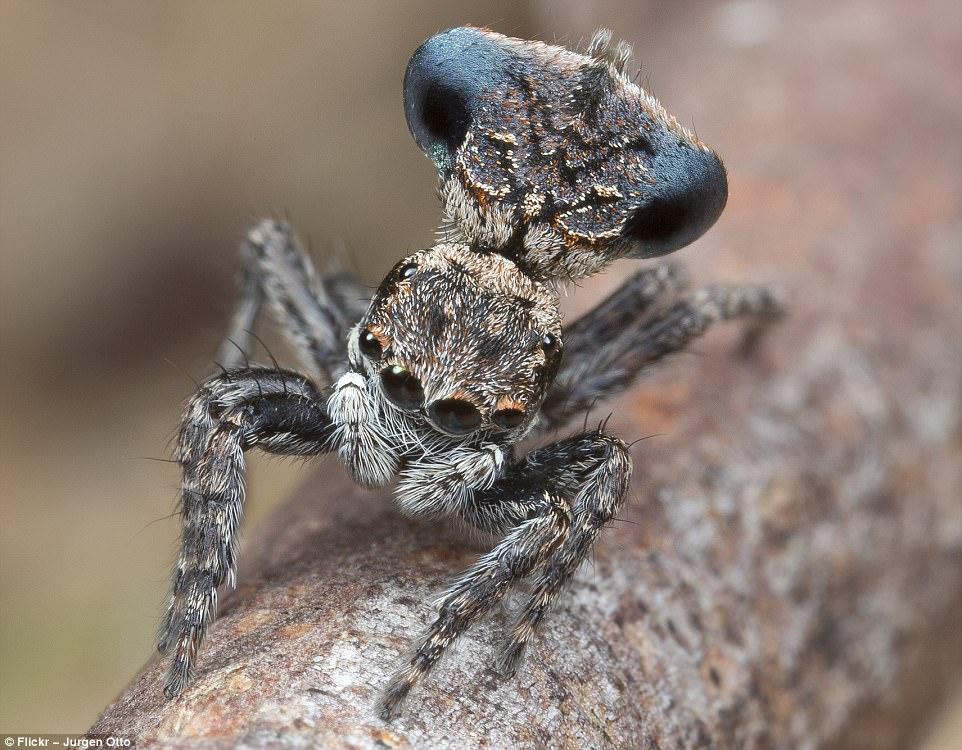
(555, 158)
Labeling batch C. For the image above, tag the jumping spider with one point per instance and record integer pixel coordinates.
(552, 164)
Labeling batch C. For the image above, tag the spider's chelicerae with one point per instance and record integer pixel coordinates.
(552, 164)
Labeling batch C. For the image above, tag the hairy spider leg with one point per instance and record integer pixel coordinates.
(314, 312)
(609, 348)
(277, 411)
(644, 293)
(549, 507)
(599, 467)
(481, 587)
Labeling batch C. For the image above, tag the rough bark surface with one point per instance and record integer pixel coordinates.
(789, 573)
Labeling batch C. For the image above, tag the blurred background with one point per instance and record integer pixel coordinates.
(139, 139)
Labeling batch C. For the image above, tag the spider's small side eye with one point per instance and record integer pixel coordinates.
(508, 419)
(402, 388)
(455, 415)
(369, 345)
(549, 341)
(408, 270)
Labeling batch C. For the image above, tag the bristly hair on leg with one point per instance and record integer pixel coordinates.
(278, 411)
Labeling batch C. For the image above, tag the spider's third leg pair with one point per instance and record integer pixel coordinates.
(314, 311)
(640, 324)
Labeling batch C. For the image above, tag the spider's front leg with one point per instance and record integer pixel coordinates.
(640, 324)
(277, 411)
(314, 311)
(549, 507)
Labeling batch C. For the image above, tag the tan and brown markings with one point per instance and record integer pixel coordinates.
(551, 165)
(469, 326)
(556, 158)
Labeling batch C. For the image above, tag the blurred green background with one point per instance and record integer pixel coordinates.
(137, 141)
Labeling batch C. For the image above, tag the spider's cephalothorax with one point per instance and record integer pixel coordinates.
(456, 350)
(551, 164)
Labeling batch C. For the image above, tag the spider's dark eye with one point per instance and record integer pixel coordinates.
(369, 345)
(455, 416)
(408, 270)
(402, 388)
(508, 419)
(549, 341)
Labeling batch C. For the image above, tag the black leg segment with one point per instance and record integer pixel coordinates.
(277, 411)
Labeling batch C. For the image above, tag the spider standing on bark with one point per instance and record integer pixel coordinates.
(552, 164)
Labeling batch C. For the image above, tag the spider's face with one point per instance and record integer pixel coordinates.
(464, 338)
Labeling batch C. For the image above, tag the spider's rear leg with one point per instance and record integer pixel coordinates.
(274, 410)
(643, 294)
(314, 312)
(607, 356)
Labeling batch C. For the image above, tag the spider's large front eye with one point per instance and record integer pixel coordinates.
(508, 419)
(455, 416)
(369, 345)
(402, 388)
